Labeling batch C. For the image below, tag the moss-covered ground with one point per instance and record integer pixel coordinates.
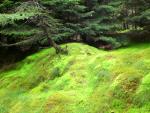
(87, 80)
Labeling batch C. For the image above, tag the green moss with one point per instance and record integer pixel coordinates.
(87, 80)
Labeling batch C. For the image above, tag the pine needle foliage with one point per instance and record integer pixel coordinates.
(65, 19)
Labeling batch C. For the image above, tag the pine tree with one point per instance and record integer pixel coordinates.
(99, 20)
(34, 16)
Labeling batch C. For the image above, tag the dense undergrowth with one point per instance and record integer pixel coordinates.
(87, 80)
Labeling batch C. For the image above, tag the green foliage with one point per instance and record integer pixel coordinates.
(16, 31)
(12, 18)
(24, 22)
(5, 5)
(112, 41)
(66, 18)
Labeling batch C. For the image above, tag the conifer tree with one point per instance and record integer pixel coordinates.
(32, 15)
(100, 20)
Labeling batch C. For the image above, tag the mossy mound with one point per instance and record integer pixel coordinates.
(87, 80)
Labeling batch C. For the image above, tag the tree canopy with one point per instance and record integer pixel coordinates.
(21, 22)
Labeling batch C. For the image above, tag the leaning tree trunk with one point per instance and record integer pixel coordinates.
(52, 42)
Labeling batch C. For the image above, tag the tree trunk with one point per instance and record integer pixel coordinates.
(52, 42)
(57, 47)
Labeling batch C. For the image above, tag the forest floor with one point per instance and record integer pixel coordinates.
(87, 80)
